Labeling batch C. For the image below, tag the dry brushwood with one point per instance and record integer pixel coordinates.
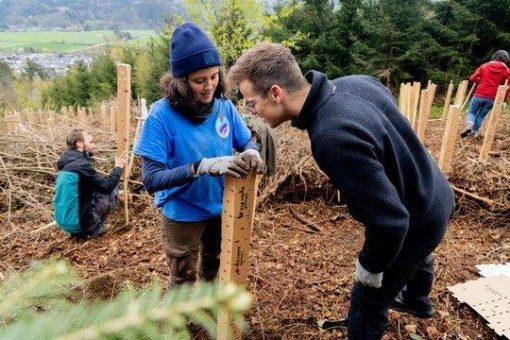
(297, 171)
(30, 145)
(306, 222)
(297, 275)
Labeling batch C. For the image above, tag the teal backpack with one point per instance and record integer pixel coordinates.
(66, 202)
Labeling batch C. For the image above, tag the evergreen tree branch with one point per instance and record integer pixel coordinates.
(134, 313)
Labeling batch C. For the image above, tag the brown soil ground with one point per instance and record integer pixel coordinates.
(298, 275)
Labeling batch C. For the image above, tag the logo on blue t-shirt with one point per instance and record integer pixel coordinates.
(222, 126)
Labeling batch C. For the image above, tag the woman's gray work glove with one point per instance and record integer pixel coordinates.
(226, 165)
(253, 160)
(367, 278)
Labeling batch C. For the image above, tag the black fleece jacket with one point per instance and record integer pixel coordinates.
(367, 148)
(90, 181)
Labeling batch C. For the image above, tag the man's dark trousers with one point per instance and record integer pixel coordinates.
(104, 204)
(413, 266)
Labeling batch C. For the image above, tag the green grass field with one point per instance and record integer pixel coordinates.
(62, 42)
(436, 111)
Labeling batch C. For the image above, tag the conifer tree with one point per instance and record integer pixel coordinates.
(390, 43)
(103, 80)
(43, 303)
(6, 93)
(234, 25)
(320, 33)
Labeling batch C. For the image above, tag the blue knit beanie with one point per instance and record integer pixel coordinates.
(191, 50)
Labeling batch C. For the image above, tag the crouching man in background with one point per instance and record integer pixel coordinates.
(83, 198)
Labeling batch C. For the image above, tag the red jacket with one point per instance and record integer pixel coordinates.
(489, 76)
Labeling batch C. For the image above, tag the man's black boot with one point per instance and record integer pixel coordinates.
(419, 308)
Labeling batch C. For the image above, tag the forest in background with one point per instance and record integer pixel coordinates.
(393, 40)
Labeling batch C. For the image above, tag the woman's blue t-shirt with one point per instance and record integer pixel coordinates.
(170, 138)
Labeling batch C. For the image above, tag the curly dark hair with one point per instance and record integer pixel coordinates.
(178, 92)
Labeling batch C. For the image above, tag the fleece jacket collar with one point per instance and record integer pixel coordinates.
(320, 91)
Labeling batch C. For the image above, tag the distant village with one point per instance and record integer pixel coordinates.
(53, 64)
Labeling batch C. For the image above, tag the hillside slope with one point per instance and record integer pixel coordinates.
(85, 15)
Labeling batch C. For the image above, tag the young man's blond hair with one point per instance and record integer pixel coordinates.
(265, 65)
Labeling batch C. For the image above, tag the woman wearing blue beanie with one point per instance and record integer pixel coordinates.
(187, 145)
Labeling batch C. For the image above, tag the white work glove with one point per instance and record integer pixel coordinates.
(367, 278)
(253, 160)
(227, 165)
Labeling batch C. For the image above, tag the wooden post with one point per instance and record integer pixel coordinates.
(143, 110)
(132, 153)
(447, 101)
(123, 121)
(449, 137)
(113, 118)
(461, 93)
(407, 102)
(403, 101)
(401, 97)
(104, 116)
(468, 96)
(139, 125)
(421, 109)
(492, 125)
(425, 108)
(415, 96)
(239, 196)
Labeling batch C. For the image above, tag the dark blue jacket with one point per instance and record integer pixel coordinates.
(90, 181)
(367, 148)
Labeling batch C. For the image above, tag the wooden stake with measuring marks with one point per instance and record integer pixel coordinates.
(239, 197)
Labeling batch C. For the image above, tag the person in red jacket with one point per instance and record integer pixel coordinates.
(488, 77)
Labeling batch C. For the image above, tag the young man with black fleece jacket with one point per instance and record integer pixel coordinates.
(389, 181)
(97, 194)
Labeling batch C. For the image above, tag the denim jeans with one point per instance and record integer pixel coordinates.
(478, 109)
